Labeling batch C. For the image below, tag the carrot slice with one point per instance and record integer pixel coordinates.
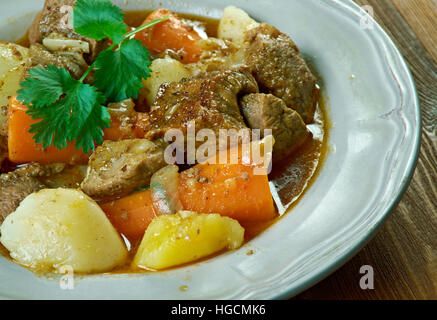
(233, 183)
(22, 147)
(172, 34)
(231, 190)
(132, 214)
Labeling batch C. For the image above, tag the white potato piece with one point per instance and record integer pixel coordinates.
(174, 239)
(66, 45)
(234, 25)
(14, 60)
(62, 227)
(163, 70)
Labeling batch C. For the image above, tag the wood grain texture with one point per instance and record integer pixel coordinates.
(421, 15)
(404, 252)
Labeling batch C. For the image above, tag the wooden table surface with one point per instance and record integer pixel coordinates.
(404, 252)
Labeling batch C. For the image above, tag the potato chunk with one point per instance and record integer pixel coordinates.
(163, 70)
(234, 25)
(171, 240)
(14, 60)
(62, 227)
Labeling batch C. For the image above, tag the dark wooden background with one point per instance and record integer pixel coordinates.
(404, 252)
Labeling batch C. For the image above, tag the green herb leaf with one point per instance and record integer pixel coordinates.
(43, 86)
(99, 19)
(71, 110)
(120, 72)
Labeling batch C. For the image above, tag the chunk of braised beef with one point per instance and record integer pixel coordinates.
(55, 19)
(265, 111)
(117, 168)
(209, 100)
(15, 186)
(40, 56)
(279, 69)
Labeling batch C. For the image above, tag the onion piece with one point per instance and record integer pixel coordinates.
(122, 108)
(71, 45)
(164, 190)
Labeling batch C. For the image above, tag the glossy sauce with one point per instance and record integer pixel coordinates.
(291, 177)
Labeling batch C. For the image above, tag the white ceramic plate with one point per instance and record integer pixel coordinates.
(374, 143)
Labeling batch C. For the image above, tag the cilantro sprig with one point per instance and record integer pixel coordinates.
(71, 110)
(129, 64)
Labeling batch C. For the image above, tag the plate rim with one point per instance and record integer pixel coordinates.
(348, 254)
(381, 39)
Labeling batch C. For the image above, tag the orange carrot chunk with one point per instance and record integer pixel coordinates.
(238, 188)
(172, 34)
(132, 214)
(231, 190)
(22, 147)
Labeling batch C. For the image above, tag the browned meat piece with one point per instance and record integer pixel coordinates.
(13, 191)
(53, 19)
(40, 56)
(17, 185)
(209, 99)
(265, 111)
(280, 69)
(117, 168)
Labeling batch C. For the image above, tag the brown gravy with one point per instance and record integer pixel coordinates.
(136, 18)
(292, 177)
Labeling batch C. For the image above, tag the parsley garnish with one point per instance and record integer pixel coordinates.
(70, 110)
(129, 64)
(99, 20)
